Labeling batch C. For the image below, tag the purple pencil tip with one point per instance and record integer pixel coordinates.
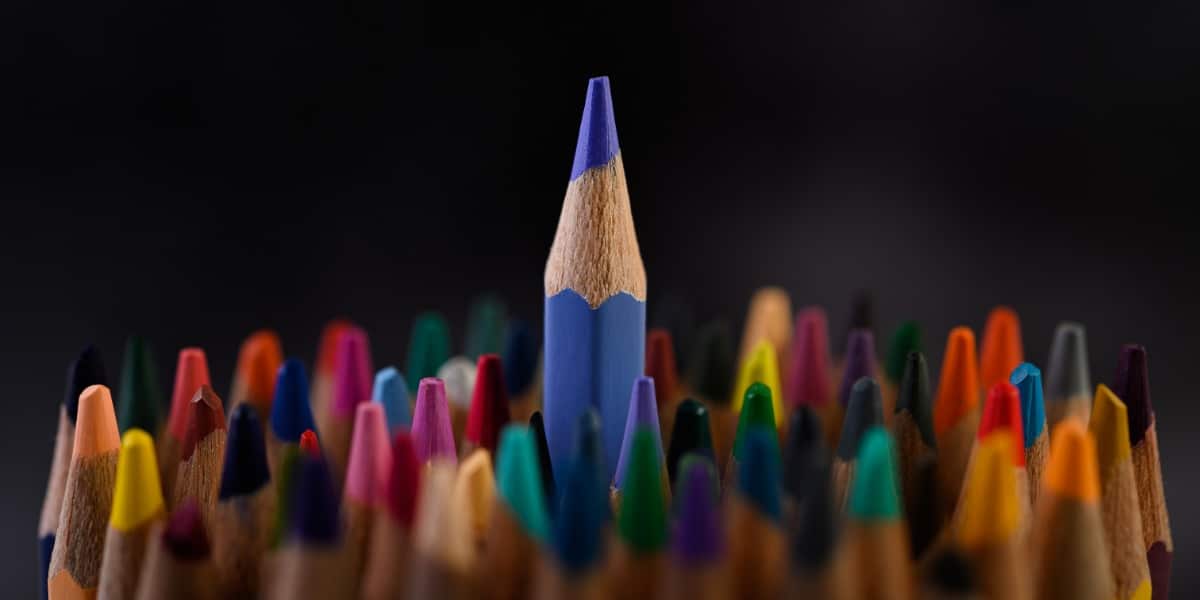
(433, 436)
(597, 143)
(860, 361)
(698, 536)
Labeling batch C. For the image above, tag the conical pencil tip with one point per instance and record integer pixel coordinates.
(489, 403)
(757, 411)
(370, 456)
(1133, 387)
(864, 411)
(96, 426)
(712, 363)
(1072, 471)
(958, 389)
(1068, 374)
(1109, 425)
(137, 497)
(310, 446)
(205, 414)
(290, 411)
(404, 480)
(85, 371)
(642, 519)
(874, 495)
(905, 340)
(1002, 349)
(989, 509)
(351, 373)
(1002, 412)
(1028, 380)
(519, 481)
(860, 361)
(391, 391)
(643, 413)
(258, 362)
(758, 472)
(698, 538)
(245, 470)
(691, 433)
(597, 143)
(139, 396)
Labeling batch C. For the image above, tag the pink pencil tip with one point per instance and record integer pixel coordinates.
(370, 456)
(352, 373)
(433, 436)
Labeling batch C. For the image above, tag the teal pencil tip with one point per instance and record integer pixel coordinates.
(1028, 380)
(759, 472)
(519, 480)
(874, 494)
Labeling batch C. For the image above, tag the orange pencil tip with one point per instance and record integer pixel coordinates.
(258, 363)
(958, 389)
(1072, 470)
(96, 426)
(1001, 351)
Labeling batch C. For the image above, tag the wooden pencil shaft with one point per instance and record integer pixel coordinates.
(83, 523)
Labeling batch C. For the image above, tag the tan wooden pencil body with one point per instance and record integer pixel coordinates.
(87, 499)
(443, 557)
(202, 453)
(178, 559)
(988, 522)
(242, 519)
(386, 575)
(138, 508)
(60, 464)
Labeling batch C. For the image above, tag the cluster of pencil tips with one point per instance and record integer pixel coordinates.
(613, 463)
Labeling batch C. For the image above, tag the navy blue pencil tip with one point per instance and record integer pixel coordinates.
(245, 470)
(315, 520)
(86, 370)
(597, 143)
(579, 528)
(290, 412)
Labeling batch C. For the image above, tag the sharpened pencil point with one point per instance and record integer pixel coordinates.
(916, 396)
(351, 373)
(958, 389)
(582, 514)
(905, 340)
(489, 404)
(485, 326)
(1001, 350)
(699, 538)
(642, 518)
(191, 372)
(404, 481)
(643, 413)
(458, 375)
(85, 371)
(290, 411)
(757, 411)
(1068, 374)
(1071, 470)
(519, 481)
(205, 414)
(537, 427)
(428, 348)
(245, 470)
(258, 363)
(1110, 426)
(391, 391)
(137, 498)
(758, 472)
(432, 432)
(1028, 380)
(1002, 411)
(184, 536)
(1132, 386)
(691, 434)
(315, 518)
(139, 399)
(874, 494)
(808, 375)
(309, 445)
(860, 362)
(370, 456)
(864, 410)
(597, 143)
(712, 364)
(804, 450)
(990, 508)
(761, 366)
(96, 425)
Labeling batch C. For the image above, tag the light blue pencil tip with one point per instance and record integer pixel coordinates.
(1028, 380)
(597, 143)
(391, 390)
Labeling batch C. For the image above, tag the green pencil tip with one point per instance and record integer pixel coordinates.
(485, 326)
(139, 397)
(757, 411)
(642, 520)
(428, 348)
(874, 493)
(519, 480)
(906, 338)
(285, 485)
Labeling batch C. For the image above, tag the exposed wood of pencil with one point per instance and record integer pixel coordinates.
(551, 582)
(634, 575)
(723, 421)
(910, 450)
(199, 476)
(442, 554)
(1123, 528)
(877, 563)
(1035, 464)
(59, 465)
(241, 537)
(388, 559)
(305, 572)
(832, 414)
(841, 473)
(705, 582)
(507, 570)
(360, 524)
(165, 575)
(757, 553)
(124, 554)
(1151, 498)
(954, 453)
(1078, 406)
(168, 452)
(1070, 556)
(828, 583)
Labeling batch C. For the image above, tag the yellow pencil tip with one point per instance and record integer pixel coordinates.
(761, 366)
(138, 496)
(990, 510)
(476, 484)
(1109, 424)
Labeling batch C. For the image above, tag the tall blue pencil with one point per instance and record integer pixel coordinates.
(595, 292)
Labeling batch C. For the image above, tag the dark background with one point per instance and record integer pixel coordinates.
(194, 170)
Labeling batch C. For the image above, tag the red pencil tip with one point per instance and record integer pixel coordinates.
(1002, 410)
(489, 404)
(309, 444)
(205, 414)
(404, 480)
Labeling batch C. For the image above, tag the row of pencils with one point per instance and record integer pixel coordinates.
(732, 480)
(627, 463)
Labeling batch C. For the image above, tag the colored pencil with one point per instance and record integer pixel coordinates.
(1002, 415)
(485, 326)
(864, 411)
(762, 367)
(956, 415)
(572, 566)
(74, 570)
(352, 375)
(691, 435)
(519, 523)
(198, 474)
(291, 415)
(431, 429)
(862, 313)
(948, 576)
(660, 366)
(905, 339)
(1000, 349)
(86, 370)
(443, 553)
(537, 427)
(311, 564)
(810, 374)
(811, 518)
(139, 398)
(711, 380)
(178, 560)
(458, 375)
(386, 575)
(1119, 496)
(876, 539)
(521, 362)
(254, 380)
(858, 362)
(768, 318)
(326, 365)
(698, 569)
(363, 496)
(309, 444)
(595, 286)
(428, 348)
(672, 311)
(643, 414)
(1028, 380)
(804, 452)
(285, 491)
(912, 426)
(1070, 559)
(925, 518)
(242, 519)
(637, 562)
(191, 372)
(757, 411)
(989, 520)
(137, 508)
(1068, 378)
(391, 392)
(489, 406)
(758, 555)
(1132, 385)
(475, 490)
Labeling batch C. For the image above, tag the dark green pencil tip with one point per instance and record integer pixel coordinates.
(916, 396)
(711, 366)
(906, 338)
(642, 520)
(690, 434)
(757, 410)
(428, 348)
(139, 399)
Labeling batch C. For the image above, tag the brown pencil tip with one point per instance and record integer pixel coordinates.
(205, 413)
(96, 425)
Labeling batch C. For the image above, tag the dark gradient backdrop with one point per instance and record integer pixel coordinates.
(193, 170)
